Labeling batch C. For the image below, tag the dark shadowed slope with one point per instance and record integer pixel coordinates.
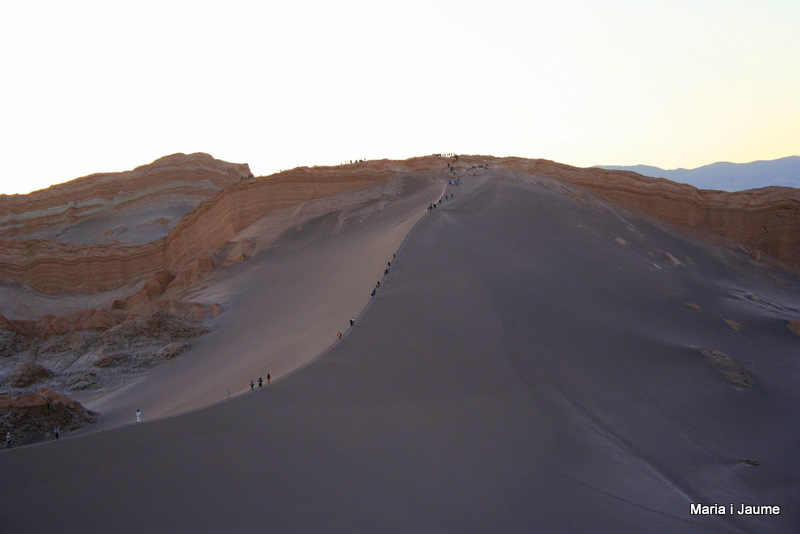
(528, 365)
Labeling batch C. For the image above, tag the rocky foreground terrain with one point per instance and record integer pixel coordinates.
(98, 275)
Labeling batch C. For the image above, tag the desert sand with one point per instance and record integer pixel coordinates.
(283, 307)
(531, 363)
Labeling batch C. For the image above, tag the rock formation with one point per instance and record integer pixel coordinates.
(194, 177)
(27, 416)
(79, 358)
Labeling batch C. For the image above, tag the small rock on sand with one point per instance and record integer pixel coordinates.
(731, 370)
(733, 324)
(794, 326)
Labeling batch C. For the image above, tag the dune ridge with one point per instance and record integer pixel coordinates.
(766, 220)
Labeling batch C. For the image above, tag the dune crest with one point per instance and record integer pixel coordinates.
(765, 220)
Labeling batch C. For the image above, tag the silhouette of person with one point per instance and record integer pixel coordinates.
(260, 382)
(352, 322)
(55, 431)
(252, 385)
(138, 416)
(8, 440)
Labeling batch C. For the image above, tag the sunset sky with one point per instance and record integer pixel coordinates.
(107, 86)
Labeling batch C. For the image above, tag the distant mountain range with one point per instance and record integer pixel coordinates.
(728, 176)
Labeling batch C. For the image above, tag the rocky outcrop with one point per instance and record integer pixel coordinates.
(93, 359)
(56, 268)
(41, 412)
(26, 374)
(49, 325)
(195, 176)
(728, 368)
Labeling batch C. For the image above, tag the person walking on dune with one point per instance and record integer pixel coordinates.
(55, 431)
(352, 322)
(267, 378)
(252, 385)
(138, 416)
(260, 382)
(8, 440)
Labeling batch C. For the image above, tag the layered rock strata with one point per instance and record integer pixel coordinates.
(197, 176)
(55, 268)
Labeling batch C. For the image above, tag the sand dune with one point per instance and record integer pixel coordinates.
(528, 365)
(283, 307)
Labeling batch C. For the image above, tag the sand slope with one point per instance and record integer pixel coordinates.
(283, 307)
(529, 364)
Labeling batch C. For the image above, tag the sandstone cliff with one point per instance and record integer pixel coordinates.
(180, 179)
(55, 268)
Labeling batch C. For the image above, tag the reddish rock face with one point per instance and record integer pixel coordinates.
(55, 268)
(197, 176)
(50, 325)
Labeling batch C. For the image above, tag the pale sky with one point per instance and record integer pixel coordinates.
(101, 86)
